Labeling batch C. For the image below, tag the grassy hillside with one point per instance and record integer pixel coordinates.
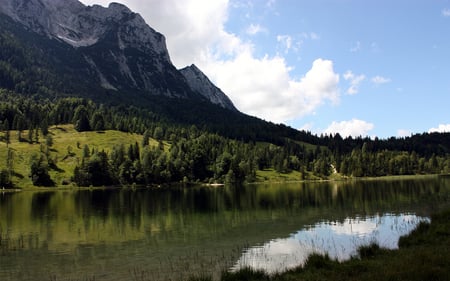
(68, 146)
(66, 151)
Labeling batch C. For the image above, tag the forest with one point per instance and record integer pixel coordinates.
(169, 151)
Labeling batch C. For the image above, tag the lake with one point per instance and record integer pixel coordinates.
(173, 233)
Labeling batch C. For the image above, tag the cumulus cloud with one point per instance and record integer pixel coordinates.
(269, 92)
(354, 80)
(380, 80)
(261, 86)
(442, 128)
(354, 128)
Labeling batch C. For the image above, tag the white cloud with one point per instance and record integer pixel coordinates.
(403, 133)
(357, 227)
(294, 43)
(442, 128)
(354, 128)
(380, 80)
(446, 12)
(286, 42)
(254, 29)
(268, 91)
(355, 80)
(261, 86)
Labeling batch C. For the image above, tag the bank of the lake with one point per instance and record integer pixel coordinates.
(280, 179)
(422, 255)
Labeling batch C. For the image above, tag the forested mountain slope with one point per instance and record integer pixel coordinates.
(96, 69)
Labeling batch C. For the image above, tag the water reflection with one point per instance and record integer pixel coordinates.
(172, 232)
(340, 240)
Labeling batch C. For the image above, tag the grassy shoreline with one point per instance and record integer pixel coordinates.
(32, 188)
(424, 254)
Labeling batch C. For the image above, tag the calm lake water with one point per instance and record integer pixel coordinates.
(174, 233)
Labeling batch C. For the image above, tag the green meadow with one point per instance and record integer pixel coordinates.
(66, 150)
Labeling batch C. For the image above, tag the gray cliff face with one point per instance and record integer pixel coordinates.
(201, 84)
(81, 26)
(115, 46)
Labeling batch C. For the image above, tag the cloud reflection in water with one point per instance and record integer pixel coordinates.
(340, 239)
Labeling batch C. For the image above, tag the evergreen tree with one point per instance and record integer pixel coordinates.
(30, 135)
(39, 172)
(81, 119)
(5, 179)
(146, 138)
(44, 126)
(49, 140)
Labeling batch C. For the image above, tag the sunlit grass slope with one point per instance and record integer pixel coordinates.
(66, 151)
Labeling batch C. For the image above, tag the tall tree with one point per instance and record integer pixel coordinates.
(39, 172)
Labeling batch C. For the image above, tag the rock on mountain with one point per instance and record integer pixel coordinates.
(200, 83)
(112, 47)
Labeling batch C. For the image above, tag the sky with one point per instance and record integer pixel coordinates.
(357, 68)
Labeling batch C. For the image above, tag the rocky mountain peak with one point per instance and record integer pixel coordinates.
(80, 25)
(120, 8)
(115, 46)
(201, 84)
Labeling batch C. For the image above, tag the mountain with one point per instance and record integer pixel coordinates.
(200, 83)
(66, 48)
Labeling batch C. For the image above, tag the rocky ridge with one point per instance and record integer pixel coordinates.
(116, 46)
(200, 83)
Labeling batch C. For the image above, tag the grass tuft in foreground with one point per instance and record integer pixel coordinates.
(248, 274)
(424, 254)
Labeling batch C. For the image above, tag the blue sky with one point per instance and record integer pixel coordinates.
(377, 68)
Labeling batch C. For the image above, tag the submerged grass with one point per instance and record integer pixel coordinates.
(424, 254)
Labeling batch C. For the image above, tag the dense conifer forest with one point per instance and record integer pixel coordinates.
(172, 150)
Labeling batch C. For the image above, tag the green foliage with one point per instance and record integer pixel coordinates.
(369, 251)
(318, 262)
(5, 179)
(94, 171)
(247, 274)
(187, 153)
(39, 171)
